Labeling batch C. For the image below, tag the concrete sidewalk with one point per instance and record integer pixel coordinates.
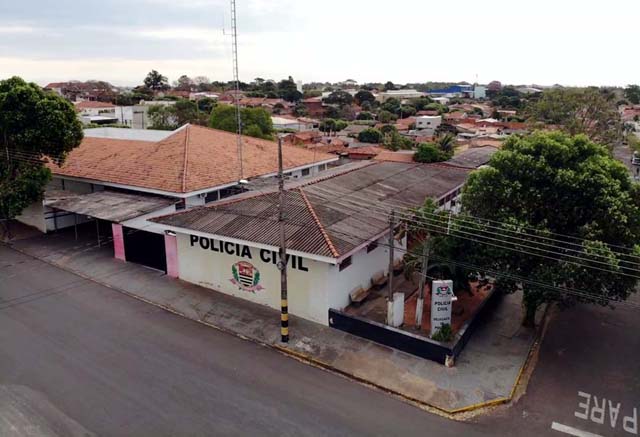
(487, 371)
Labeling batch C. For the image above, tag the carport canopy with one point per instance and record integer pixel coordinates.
(113, 206)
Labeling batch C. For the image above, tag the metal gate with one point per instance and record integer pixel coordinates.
(145, 248)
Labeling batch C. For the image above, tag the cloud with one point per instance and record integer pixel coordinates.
(14, 29)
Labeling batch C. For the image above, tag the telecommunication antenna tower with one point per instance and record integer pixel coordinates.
(236, 79)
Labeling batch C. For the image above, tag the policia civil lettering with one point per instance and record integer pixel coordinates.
(236, 249)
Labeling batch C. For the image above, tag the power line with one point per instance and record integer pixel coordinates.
(433, 221)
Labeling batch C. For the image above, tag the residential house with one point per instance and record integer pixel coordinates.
(121, 181)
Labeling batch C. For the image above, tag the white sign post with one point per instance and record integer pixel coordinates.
(441, 299)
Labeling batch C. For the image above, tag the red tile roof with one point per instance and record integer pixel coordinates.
(367, 150)
(388, 155)
(191, 159)
(94, 105)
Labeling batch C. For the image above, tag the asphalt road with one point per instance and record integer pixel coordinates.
(590, 356)
(77, 358)
(117, 367)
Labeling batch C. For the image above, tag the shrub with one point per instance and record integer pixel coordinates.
(430, 152)
(444, 334)
(370, 135)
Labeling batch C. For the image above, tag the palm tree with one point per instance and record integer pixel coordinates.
(446, 142)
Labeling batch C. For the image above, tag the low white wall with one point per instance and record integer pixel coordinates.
(307, 282)
(362, 269)
(33, 215)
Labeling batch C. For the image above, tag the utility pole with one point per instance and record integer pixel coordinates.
(392, 222)
(282, 264)
(426, 248)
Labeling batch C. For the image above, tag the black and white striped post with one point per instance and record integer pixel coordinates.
(282, 264)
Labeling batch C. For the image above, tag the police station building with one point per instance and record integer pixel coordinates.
(337, 235)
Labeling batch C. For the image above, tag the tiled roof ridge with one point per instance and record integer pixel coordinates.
(186, 158)
(445, 164)
(327, 240)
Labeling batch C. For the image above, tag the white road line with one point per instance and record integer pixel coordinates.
(572, 431)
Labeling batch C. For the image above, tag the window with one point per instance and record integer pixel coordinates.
(305, 172)
(212, 196)
(344, 264)
(372, 246)
(182, 204)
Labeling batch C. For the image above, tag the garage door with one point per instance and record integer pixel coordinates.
(145, 248)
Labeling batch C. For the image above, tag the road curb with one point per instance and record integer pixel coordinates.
(454, 414)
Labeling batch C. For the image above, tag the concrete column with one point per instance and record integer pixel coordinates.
(171, 250)
(118, 241)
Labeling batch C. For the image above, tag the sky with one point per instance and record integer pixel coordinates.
(571, 42)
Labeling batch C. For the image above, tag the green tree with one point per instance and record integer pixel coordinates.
(256, 122)
(331, 112)
(340, 98)
(340, 124)
(446, 143)
(551, 187)
(364, 96)
(288, 90)
(186, 111)
(394, 141)
(386, 117)
(389, 86)
(277, 108)
(632, 93)
(184, 83)
(300, 110)
(206, 104)
(430, 152)
(34, 124)
(328, 125)
(392, 105)
(407, 111)
(580, 111)
(156, 82)
(370, 135)
(162, 117)
(421, 102)
(364, 116)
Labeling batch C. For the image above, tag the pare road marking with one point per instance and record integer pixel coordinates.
(606, 412)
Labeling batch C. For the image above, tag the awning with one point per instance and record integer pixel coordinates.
(112, 206)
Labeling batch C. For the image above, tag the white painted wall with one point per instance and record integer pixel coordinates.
(363, 268)
(33, 215)
(142, 223)
(428, 121)
(307, 290)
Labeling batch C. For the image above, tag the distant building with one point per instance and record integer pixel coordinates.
(314, 105)
(295, 124)
(399, 94)
(453, 91)
(479, 92)
(428, 122)
(92, 112)
(203, 95)
(137, 116)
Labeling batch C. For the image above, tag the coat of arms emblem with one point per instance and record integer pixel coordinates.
(246, 276)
